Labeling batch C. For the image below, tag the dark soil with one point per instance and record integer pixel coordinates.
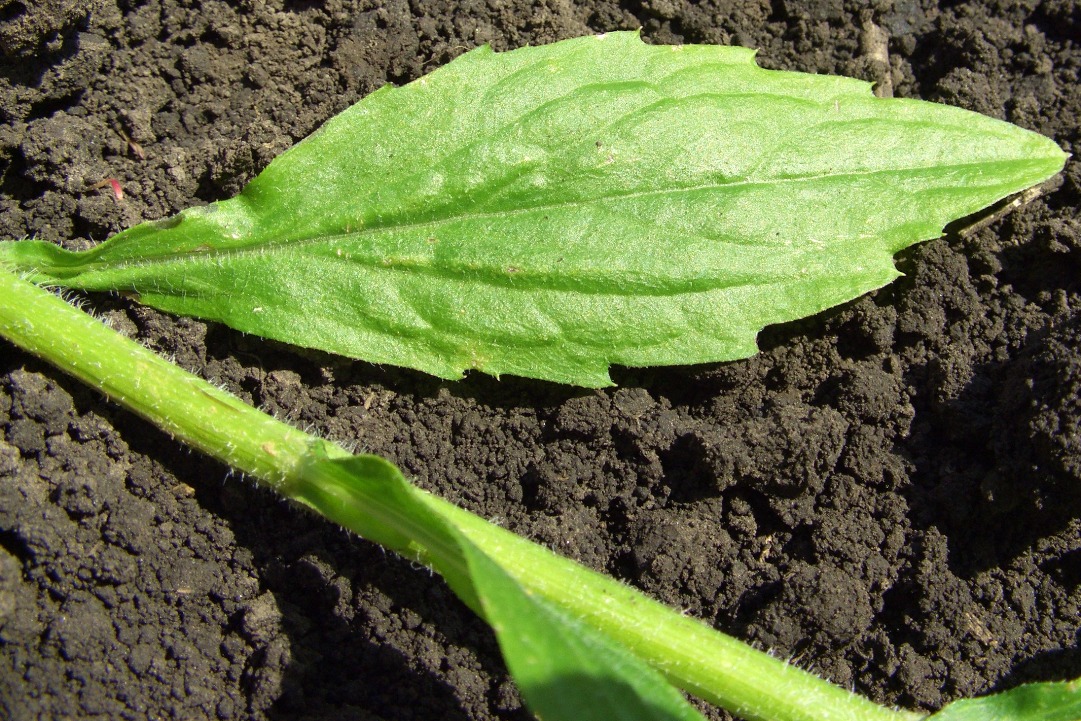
(889, 494)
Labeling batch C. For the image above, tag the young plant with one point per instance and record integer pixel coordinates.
(545, 212)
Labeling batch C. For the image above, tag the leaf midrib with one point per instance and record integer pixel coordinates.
(299, 242)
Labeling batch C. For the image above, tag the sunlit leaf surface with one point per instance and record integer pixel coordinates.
(550, 211)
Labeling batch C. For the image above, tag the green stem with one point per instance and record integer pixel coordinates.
(709, 664)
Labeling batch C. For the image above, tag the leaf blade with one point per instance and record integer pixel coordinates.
(550, 211)
(566, 669)
(1051, 701)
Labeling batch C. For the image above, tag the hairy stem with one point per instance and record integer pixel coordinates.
(693, 656)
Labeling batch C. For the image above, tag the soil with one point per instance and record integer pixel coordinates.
(889, 494)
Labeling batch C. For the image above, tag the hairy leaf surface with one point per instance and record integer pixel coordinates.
(550, 211)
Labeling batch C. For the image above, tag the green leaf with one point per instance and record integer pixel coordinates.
(1032, 702)
(566, 670)
(549, 211)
